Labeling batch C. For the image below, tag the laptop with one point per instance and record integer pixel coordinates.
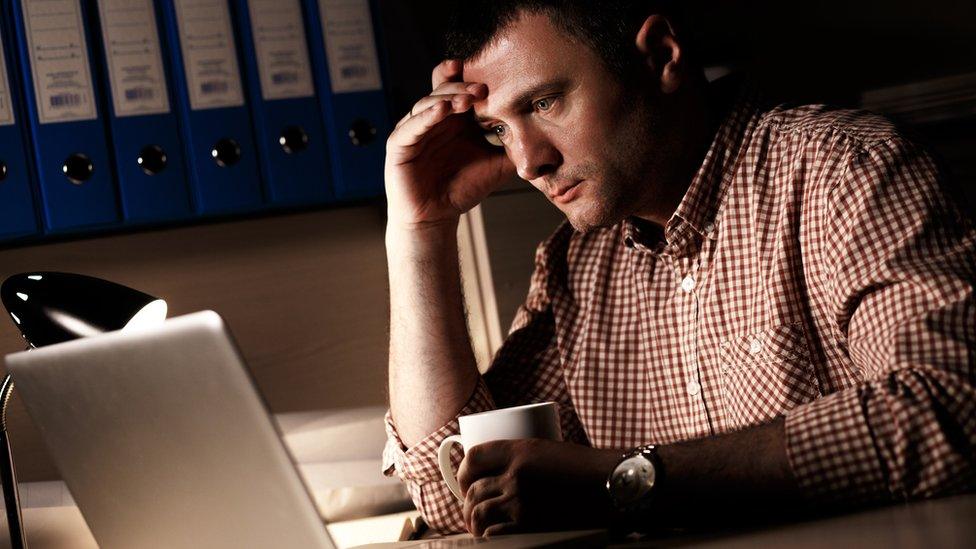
(164, 441)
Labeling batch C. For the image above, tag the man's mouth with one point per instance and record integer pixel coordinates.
(566, 194)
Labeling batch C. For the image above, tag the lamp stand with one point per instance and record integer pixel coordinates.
(11, 495)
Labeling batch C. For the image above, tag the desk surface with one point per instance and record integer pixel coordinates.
(943, 523)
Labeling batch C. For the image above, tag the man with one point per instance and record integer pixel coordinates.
(780, 300)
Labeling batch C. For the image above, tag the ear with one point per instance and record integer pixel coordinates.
(663, 53)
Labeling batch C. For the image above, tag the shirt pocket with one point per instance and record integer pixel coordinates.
(766, 373)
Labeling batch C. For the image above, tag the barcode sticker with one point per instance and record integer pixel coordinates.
(6, 109)
(62, 100)
(209, 55)
(139, 94)
(282, 51)
(350, 45)
(133, 57)
(213, 86)
(58, 54)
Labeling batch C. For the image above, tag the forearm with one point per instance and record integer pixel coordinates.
(726, 475)
(432, 367)
(900, 436)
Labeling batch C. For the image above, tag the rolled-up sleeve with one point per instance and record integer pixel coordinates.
(900, 277)
(418, 467)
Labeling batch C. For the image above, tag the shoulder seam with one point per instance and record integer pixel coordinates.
(770, 120)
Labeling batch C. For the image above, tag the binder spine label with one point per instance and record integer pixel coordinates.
(350, 46)
(209, 55)
(282, 51)
(133, 58)
(59, 62)
(6, 109)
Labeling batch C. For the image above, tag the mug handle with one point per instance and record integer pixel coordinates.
(447, 470)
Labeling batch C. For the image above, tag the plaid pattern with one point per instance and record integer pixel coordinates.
(816, 269)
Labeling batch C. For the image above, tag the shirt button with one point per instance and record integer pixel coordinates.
(755, 346)
(688, 284)
(693, 388)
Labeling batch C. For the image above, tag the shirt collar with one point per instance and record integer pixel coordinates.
(699, 213)
(642, 235)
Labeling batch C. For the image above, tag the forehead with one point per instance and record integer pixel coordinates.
(526, 52)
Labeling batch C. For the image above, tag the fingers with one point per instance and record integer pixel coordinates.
(413, 129)
(474, 88)
(492, 512)
(481, 461)
(501, 529)
(462, 98)
(481, 490)
(446, 71)
(461, 94)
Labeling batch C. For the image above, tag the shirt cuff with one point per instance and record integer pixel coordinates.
(831, 450)
(419, 463)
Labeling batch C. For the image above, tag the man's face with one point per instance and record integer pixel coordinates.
(570, 126)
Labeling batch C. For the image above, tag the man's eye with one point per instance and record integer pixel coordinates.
(495, 134)
(544, 104)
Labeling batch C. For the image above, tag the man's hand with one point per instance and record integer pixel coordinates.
(438, 163)
(533, 484)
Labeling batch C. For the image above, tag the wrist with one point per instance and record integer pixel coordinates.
(398, 229)
(412, 237)
(633, 486)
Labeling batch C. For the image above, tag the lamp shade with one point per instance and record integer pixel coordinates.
(51, 307)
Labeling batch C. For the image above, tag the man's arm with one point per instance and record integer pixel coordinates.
(432, 367)
(721, 478)
(900, 275)
(899, 272)
(438, 166)
(900, 281)
(513, 486)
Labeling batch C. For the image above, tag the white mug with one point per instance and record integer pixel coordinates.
(530, 421)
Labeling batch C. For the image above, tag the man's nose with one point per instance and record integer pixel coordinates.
(534, 155)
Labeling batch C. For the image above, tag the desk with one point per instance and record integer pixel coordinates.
(64, 528)
(942, 523)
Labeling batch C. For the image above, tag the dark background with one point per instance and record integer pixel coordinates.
(819, 51)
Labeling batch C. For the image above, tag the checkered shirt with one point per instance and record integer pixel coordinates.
(817, 268)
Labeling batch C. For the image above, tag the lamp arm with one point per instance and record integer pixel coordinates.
(11, 493)
(6, 391)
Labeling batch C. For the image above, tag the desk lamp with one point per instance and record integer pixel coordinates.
(51, 308)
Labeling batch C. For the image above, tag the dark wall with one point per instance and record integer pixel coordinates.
(834, 49)
(811, 51)
(826, 49)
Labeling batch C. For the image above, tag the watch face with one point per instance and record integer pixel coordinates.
(632, 480)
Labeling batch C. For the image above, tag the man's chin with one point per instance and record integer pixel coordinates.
(591, 220)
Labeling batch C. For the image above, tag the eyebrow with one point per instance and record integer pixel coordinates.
(526, 96)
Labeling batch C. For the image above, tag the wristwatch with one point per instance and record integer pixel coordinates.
(634, 480)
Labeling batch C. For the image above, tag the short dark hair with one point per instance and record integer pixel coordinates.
(608, 27)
